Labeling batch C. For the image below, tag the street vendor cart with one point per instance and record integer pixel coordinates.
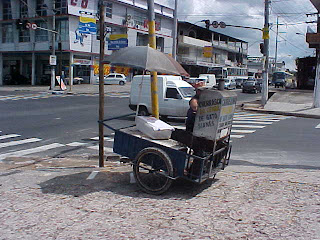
(195, 156)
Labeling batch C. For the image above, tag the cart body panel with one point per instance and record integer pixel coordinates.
(129, 142)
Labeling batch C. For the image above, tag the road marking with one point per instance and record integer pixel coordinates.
(249, 118)
(242, 131)
(30, 151)
(76, 144)
(14, 143)
(178, 126)
(318, 126)
(236, 136)
(252, 122)
(92, 175)
(105, 139)
(106, 149)
(9, 136)
(247, 126)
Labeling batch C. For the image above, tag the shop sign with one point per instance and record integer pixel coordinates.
(117, 41)
(207, 52)
(87, 25)
(53, 60)
(81, 61)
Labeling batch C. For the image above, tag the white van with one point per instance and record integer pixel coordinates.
(211, 80)
(174, 95)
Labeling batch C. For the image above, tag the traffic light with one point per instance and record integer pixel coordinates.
(19, 24)
(207, 22)
(262, 48)
(25, 24)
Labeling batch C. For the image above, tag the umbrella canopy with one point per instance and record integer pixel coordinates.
(177, 65)
(144, 57)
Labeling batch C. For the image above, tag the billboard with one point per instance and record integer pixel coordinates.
(117, 41)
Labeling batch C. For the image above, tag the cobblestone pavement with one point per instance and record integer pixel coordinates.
(53, 199)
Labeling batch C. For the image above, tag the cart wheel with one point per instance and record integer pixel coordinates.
(152, 170)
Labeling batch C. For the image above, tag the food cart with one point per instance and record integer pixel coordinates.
(195, 156)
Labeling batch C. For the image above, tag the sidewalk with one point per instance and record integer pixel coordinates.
(289, 102)
(75, 89)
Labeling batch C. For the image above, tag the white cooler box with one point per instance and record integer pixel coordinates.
(154, 128)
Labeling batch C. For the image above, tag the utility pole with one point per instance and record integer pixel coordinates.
(316, 91)
(264, 97)
(175, 30)
(154, 75)
(276, 52)
(53, 67)
(101, 85)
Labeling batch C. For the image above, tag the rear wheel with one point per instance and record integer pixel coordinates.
(121, 83)
(143, 111)
(153, 170)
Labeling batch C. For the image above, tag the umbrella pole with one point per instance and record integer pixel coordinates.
(154, 75)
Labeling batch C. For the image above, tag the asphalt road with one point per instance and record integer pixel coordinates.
(70, 124)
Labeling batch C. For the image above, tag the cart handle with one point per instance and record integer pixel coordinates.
(113, 118)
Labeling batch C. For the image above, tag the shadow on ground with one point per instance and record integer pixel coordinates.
(78, 185)
(277, 166)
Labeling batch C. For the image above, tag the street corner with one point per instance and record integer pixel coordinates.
(112, 163)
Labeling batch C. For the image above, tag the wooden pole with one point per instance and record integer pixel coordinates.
(101, 86)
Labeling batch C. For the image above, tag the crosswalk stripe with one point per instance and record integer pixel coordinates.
(247, 126)
(251, 122)
(30, 151)
(9, 136)
(242, 131)
(105, 139)
(106, 149)
(267, 120)
(318, 126)
(236, 136)
(76, 144)
(14, 143)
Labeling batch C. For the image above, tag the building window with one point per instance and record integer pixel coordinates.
(62, 27)
(142, 39)
(24, 35)
(7, 33)
(139, 18)
(41, 9)
(23, 10)
(40, 34)
(61, 6)
(6, 9)
(109, 10)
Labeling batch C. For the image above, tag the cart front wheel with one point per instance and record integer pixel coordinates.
(152, 170)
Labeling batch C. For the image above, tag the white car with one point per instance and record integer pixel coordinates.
(76, 80)
(114, 78)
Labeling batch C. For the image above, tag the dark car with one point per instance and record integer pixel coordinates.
(239, 82)
(279, 83)
(251, 86)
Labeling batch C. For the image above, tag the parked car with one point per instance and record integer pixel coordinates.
(239, 82)
(114, 78)
(279, 83)
(197, 82)
(76, 80)
(230, 84)
(251, 86)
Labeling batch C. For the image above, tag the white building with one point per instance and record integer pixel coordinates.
(24, 53)
(200, 49)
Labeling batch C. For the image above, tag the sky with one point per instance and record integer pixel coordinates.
(291, 15)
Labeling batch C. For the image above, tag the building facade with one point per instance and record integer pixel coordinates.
(255, 66)
(200, 49)
(25, 52)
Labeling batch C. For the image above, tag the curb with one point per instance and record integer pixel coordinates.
(304, 115)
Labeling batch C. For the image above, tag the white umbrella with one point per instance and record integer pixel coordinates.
(144, 57)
